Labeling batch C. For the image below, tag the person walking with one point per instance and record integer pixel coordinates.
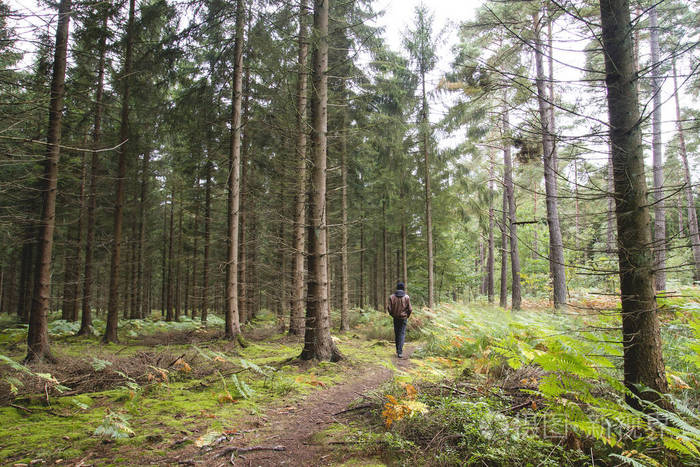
(399, 307)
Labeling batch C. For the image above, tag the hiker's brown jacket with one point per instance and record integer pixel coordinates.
(399, 307)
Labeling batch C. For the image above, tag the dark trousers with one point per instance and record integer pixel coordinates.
(400, 333)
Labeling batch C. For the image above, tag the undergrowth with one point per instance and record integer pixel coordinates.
(146, 402)
(541, 388)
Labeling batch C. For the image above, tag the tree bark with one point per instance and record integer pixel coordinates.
(344, 275)
(688, 188)
(243, 285)
(169, 312)
(141, 309)
(512, 226)
(207, 241)
(385, 258)
(556, 247)
(503, 295)
(643, 360)
(296, 319)
(490, 279)
(71, 277)
(535, 241)
(232, 326)
(611, 246)
(86, 315)
(283, 291)
(657, 156)
(26, 283)
(322, 347)
(37, 336)
(362, 261)
(178, 264)
(195, 298)
(113, 306)
(164, 263)
(428, 196)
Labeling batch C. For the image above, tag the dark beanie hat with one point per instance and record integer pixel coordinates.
(400, 286)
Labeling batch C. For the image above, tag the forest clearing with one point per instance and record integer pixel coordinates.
(322, 232)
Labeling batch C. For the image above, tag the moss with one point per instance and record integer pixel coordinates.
(163, 413)
(362, 463)
(46, 435)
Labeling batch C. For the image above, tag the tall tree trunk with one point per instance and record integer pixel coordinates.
(169, 313)
(282, 293)
(404, 253)
(344, 274)
(232, 326)
(26, 283)
(385, 256)
(37, 336)
(141, 309)
(86, 315)
(207, 238)
(577, 220)
(113, 306)
(428, 196)
(490, 281)
(376, 290)
(164, 264)
(243, 285)
(296, 319)
(692, 214)
(69, 309)
(511, 226)
(362, 262)
(503, 294)
(133, 268)
(657, 155)
(535, 241)
(611, 246)
(556, 247)
(329, 260)
(196, 299)
(322, 347)
(178, 263)
(253, 292)
(643, 360)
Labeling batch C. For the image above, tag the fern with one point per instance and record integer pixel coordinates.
(99, 364)
(114, 426)
(242, 388)
(633, 462)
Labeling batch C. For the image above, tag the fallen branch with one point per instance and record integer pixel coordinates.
(519, 406)
(359, 407)
(21, 408)
(235, 450)
(176, 360)
(455, 390)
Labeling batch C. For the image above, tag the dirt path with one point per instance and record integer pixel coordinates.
(294, 427)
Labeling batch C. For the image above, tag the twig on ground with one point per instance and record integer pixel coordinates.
(363, 395)
(454, 390)
(236, 450)
(359, 407)
(21, 408)
(176, 360)
(519, 406)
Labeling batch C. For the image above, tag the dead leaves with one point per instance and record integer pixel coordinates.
(396, 409)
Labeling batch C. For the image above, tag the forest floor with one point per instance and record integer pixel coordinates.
(479, 386)
(186, 397)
